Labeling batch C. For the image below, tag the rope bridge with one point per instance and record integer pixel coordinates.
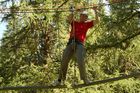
(7, 10)
(73, 86)
(107, 80)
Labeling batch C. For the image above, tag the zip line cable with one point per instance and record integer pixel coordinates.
(51, 10)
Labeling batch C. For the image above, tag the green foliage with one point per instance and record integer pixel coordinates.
(33, 43)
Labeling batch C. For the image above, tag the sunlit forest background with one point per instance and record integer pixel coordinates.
(37, 33)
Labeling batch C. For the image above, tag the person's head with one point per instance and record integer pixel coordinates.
(83, 16)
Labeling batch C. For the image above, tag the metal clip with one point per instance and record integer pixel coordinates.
(72, 8)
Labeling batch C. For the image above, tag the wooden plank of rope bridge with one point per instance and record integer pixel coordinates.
(107, 80)
(31, 87)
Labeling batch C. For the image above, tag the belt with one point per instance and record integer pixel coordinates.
(72, 40)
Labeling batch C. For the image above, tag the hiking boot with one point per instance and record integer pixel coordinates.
(57, 83)
(86, 81)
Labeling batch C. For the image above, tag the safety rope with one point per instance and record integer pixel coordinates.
(72, 10)
(58, 46)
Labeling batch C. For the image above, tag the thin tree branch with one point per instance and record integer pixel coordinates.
(62, 4)
(105, 46)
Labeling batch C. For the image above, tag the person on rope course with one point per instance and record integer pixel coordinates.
(75, 45)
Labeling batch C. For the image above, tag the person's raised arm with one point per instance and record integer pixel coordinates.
(96, 15)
